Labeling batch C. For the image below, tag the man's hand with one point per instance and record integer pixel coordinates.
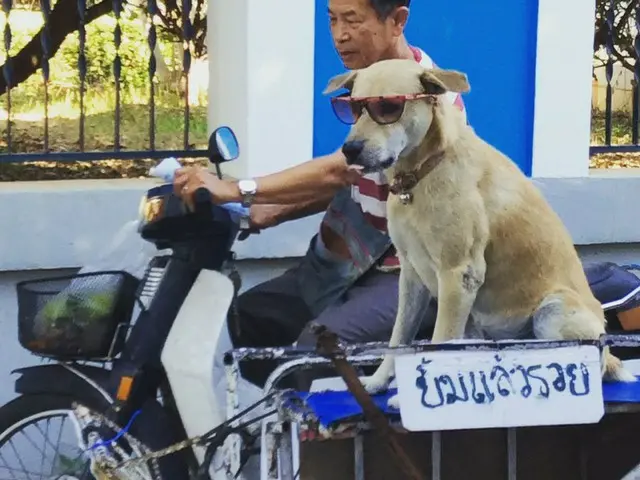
(188, 179)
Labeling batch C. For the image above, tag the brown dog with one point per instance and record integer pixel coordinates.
(466, 222)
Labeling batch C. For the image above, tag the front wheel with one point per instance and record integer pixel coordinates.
(39, 439)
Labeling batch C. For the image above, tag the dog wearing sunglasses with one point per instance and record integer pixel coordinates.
(467, 224)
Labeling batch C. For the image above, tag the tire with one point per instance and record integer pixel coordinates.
(148, 429)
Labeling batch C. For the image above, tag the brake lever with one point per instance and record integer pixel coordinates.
(243, 217)
(246, 232)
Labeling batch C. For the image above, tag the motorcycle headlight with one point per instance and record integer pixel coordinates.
(150, 209)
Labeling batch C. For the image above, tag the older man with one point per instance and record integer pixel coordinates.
(348, 279)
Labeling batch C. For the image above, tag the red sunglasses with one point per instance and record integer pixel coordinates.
(382, 109)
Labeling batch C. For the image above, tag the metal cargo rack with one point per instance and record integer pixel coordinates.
(298, 444)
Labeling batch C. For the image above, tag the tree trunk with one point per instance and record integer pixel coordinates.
(63, 21)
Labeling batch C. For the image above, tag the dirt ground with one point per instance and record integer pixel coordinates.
(616, 160)
(81, 170)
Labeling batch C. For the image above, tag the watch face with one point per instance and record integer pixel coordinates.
(247, 186)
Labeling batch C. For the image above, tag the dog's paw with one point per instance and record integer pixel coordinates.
(394, 402)
(376, 384)
(380, 380)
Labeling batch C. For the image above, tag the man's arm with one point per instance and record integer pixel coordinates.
(265, 216)
(303, 184)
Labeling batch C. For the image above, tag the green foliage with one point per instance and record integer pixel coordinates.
(28, 124)
(623, 32)
(100, 52)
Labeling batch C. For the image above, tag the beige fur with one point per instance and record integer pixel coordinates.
(478, 233)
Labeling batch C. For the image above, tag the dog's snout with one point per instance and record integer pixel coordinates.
(352, 150)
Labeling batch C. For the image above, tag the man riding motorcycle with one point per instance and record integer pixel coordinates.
(348, 279)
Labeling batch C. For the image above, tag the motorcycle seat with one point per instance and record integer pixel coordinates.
(614, 286)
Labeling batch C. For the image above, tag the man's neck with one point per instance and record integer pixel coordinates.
(400, 50)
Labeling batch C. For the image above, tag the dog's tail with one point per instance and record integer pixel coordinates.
(613, 369)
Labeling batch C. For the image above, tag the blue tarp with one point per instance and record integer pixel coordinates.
(332, 406)
(622, 392)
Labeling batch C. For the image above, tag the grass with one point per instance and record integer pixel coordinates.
(621, 128)
(28, 133)
(28, 124)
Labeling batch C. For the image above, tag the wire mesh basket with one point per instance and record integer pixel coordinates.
(86, 319)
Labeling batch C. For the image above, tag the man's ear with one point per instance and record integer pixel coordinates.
(344, 80)
(437, 81)
(400, 16)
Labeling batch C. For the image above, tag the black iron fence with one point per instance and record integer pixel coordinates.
(615, 123)
(107, 53)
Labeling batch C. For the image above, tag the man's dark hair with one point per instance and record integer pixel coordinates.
(384, 8)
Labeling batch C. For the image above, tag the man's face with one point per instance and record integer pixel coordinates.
(360, 37)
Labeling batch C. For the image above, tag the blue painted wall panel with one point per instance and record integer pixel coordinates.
(494, 43)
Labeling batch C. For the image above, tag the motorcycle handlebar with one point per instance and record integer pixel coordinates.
(203, 203)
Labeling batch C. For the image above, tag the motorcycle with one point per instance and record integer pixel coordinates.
(131, 387)
(151, 378)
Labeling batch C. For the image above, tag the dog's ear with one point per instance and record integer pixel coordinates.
(344, 80)
(437, 81)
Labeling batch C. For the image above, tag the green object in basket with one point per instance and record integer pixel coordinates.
(80, 310)
(54, 310)
(99, 305)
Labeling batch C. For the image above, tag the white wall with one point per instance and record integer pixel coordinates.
(562, 122)
(261, 76)
(65, 223)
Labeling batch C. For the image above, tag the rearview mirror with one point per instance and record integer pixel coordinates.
(223, 145)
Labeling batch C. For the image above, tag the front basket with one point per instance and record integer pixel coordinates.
(79, 317)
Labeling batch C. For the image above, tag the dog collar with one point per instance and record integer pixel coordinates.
(404, 182)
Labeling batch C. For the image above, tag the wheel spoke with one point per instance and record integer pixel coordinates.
(24, 468)
(46, 439)
(10, 469)
(14, 445)
(20, 440)
(44, 453)
(56, 453)
(44, 447)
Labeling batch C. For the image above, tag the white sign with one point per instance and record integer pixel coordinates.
(453, 390)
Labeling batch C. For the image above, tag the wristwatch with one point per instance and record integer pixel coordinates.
(248, 190)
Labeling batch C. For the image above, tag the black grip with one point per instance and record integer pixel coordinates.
(202, 200)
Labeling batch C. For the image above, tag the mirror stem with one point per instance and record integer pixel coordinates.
(218, 171)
